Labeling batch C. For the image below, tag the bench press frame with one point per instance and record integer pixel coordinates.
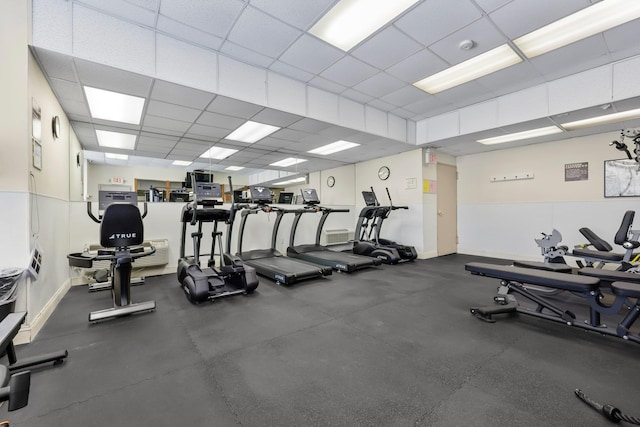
(514, 280)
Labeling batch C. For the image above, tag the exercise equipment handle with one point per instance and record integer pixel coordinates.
(90, 213)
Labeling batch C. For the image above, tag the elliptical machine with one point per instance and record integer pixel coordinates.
(232, 277)
(368, 232)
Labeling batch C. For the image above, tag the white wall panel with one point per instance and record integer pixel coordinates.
(286, 94)
(527, 104)
(479, 117)
(351, 114)
(322, 105)
(186, 64)
(376, 121)
(443, 126)
(580, 90)
(398, 129)
(625, 79)
(242, 81)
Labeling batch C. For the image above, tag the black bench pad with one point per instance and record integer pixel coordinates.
(547, 266)
(605, 256)
(626, 289)
(610, 275)
(531, 276)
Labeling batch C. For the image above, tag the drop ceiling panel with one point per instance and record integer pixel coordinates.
(418, 66)
(349, 71)
(311, 54)
(58, 66)
(219, 121)
(327, 85)
(109, 78)
(260, 32)
(180, 95)
(377, 52)
(379, 85)
(289, 134)
(67, 90)
(187, 33)
(405, 95)
(298, 13)
(210, 132)
(165, 123)
(434, 19)
(233, 107)
(172, 111)
(538, 14)
(212, 17)
(245, 55)
(76, 109)
(275, 118)
(309, 125)
(154, 140)
(623, 39)
(124, 9)
(290, 71)
(482, 32)
(273, 143)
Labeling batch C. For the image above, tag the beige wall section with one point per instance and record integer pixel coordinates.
(501, 219)
(546, 161)
(15, 108)
(76, 173)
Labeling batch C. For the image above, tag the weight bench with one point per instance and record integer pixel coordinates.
(514, 280)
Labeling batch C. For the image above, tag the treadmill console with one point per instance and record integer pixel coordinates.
(369, 198)
(207, 194)
(260, 195)
(310, 196)
(105, 198)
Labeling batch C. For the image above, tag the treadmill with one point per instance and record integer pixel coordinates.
(270, 262)
(316, 253)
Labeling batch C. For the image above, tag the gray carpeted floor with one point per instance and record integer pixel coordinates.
(390, 346)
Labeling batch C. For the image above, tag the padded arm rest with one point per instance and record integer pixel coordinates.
(535, 277)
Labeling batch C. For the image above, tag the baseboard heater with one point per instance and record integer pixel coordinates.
(160, 258)
(339, 235)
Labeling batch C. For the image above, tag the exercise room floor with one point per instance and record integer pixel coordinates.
(388, 346)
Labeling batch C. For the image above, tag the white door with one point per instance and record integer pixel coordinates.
(447, 208)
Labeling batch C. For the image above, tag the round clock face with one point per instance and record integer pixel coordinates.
(383, 173)
(331, 181)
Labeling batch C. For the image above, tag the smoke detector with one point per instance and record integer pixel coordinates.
(466, 44)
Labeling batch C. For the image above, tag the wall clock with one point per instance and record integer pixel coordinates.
(383, 173)
(331, 181)
(55, 127)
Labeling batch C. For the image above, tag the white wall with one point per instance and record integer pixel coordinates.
(502, 218)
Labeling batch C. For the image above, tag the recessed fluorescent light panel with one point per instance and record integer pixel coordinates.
(234, 168)
(116, 156)
(291, 181)
(603, 120)
(251, 132)
(125, 141)
(290, 161)
(218, 153)
(114, 106)
(527, 134)
(582, 24)
(471, 69)
(334, 147)
(181, 163)
(351, 21)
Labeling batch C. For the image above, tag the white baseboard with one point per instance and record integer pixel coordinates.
(28, 332)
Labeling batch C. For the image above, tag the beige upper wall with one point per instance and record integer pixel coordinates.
(546, 161)
(15, 109)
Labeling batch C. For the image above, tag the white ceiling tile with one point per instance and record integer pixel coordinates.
(75, 108)
(538, 14)
(273, 117)
(262, 33)
(357, 96)
(289, 134)
(180, 95)
(491, 5)
(183, 32)
(328, 85)
(482, 32)
(212, 17)
(417, 66)
(434, 19)
(349, 71)
(300, 14)
(310, 54)
(57, 66)
(99, 37)
(245, 55)
(379, 85)
(209, 131)
(124, 9)
(273, 143)
(571, 59)
(624, 38)
(290, 71)
(381, 105)
(405, 95)
(378, 50)
(155, 141)
(233, 107)
(309, 125)
(219, 120)
(165, 123)
(67, 90)
(171, 111)
(183, 63)
(109, 78)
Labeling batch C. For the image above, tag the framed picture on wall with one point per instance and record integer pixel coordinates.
(37, 155)
(621, 178)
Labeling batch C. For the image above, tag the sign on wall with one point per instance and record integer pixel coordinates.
(576, 171)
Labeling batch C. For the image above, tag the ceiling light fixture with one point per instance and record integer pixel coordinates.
(471, 69)
(527, 134)
(234, 168)
(289, 161)
(114, 106)
(251, 132)
(181, 163)
(116, 156)
(351, 21)
(124, 141)
(334, 147)
(577, 26)
(602, 120)
(291, 181)
(218, 153)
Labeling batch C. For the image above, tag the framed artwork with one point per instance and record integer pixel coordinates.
(37, 155)
(621, 178)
